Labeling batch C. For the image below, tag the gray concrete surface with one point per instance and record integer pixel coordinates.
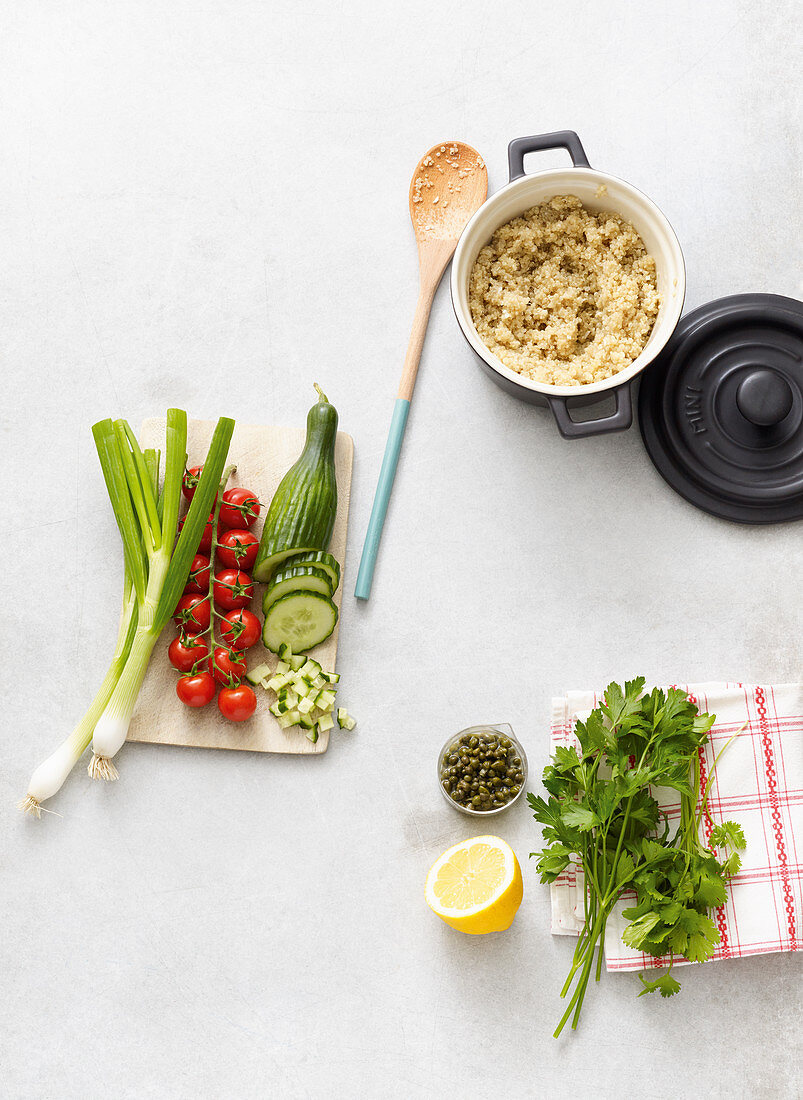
(204, 204)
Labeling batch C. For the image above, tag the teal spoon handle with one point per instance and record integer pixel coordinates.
(370, 549)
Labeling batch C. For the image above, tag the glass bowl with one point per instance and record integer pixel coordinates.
(504, 730)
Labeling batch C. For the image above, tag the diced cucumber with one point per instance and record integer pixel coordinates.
(318, 559)
(258, 674)
(297, 662)
(325, 700)
(319, 682)
(275, 709)
(304, 579)
(276, 683)
(305, 705)
(295, 716)
(282, 668)
(331, 677)
(285, 721)
(303, 619)
(312, 734)
(311, 669)
(306, 722)
(285, 652)
(344, 719)
(325, 722)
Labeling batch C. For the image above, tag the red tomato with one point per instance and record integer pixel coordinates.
(237, 703)
(228, 667)
(198, 580)
(240, 629)
(205, 545)
(232, 589)
(185, 651)
(196, 691)
(237, 549)
(189, 482)
(239, 508)
(192, 613)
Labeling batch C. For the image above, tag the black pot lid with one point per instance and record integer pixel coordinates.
(721, 408)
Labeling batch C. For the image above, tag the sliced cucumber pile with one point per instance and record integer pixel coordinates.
(303, 578)
(305, 694)
(299, 619)
(317, 559)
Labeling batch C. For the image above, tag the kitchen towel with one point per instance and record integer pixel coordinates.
(759, 783)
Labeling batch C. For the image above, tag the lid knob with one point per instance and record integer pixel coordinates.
(764, 397)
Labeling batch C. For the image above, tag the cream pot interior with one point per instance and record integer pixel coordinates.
(529, 190)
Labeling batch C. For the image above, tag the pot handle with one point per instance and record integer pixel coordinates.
(619, 421)
(561, 139)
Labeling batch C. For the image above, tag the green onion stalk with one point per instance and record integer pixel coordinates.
(158, 569)
(49, 777)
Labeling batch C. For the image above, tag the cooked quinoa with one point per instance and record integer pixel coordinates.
(564, 296)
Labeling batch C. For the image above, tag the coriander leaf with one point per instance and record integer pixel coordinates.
(579, 816)
(606, 798)
(728, 834)
(619, 704)
(625, 869)
(731, 865)
(670, 912)
(677, 940)
(566, 758)
(701, 946)
(553, 861)
(636, 933)
(664, 983)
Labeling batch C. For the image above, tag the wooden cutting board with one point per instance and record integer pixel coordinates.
(263, 456)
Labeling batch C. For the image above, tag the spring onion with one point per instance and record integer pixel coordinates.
(51, 774)
(159, 570)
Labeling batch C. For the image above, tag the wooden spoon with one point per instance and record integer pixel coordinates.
(448, 186)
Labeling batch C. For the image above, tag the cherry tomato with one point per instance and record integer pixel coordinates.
(205, 545)
(232, 589)
(237, 549)
(196, 691)
(239, 508)
(240, 629)
(228, 668)
(237, 703)
(198, 580)
(185, 651)
(192, 613)
(189, 483)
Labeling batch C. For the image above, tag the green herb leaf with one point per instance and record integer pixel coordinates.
(665, 984)
(728, 834)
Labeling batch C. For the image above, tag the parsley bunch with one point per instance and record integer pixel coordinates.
(602, 817)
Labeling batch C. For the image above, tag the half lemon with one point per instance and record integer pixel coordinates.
(476, 886)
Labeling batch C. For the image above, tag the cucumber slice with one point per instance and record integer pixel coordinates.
(318, 560)
(305, 579)
(303, 619)
(258, 674)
